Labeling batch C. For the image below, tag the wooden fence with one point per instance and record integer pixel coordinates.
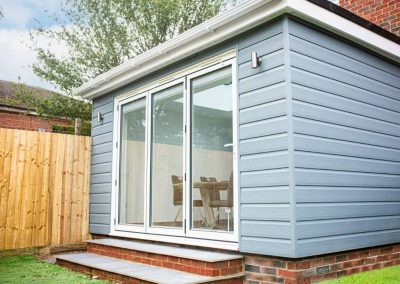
(44, 188)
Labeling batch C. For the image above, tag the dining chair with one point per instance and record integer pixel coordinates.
(218, 203)
(177, 184)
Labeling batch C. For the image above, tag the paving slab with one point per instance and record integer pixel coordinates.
(188, 253)
(137, 270)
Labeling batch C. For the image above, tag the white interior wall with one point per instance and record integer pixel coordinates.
(168, 161)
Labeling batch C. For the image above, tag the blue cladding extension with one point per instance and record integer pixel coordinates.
(346, 116)
(339, 188)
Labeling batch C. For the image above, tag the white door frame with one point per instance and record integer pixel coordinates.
(116, 166)
(171, 231)
(204, 233)
(226, 240)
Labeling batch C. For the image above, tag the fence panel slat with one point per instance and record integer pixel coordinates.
(44, 188)
(66, 224)
(86, 186)
(30, 186)
(79, 191)
(7, 139)
(34, 238)
(45, 204)
(58, 172)
(19, 205)
(8, 243)
(74, 192)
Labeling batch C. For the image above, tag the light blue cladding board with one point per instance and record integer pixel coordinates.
(100, 181)
(265, 208)
(346, 124)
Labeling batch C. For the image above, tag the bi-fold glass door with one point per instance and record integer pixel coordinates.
(151, 161)
(211, 146)
(167, 159)
(176, 170)
(132, 164)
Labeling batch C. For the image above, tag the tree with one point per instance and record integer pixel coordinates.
(103, 34)
(52, 105)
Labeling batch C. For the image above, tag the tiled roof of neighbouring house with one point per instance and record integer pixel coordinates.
(8, 91)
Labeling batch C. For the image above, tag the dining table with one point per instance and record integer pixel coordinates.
(206, 188)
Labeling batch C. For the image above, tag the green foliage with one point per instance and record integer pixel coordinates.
(153, 22)
(389, 275)
(63, 129)
(52, 105)
(26, 269)
(85, 129)
(100, 35)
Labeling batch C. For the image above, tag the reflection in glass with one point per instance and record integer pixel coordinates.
(167, 157)
(212, 150)
(132, 163)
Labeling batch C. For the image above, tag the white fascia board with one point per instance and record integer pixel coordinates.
(203, 36)
(225, 26)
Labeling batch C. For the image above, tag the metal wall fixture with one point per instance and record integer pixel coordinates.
(255, 60)
(99, 117)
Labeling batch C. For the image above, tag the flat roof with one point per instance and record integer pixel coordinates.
(235, 21)
(356, 19)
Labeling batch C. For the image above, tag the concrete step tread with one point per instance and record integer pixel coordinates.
(140, 271)
(188, 253)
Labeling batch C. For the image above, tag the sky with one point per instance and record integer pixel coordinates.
(15, 55)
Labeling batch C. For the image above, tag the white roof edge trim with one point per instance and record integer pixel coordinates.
(227, 25)
(185, 44)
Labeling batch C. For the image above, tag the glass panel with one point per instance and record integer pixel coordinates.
(167, 158)
(132, 163)
(212, 151)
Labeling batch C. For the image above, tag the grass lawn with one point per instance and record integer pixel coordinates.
(27, 269)
(388, 275)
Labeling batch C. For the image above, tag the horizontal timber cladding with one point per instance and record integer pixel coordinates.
(346, 124)
(100, 188)
(265, 207)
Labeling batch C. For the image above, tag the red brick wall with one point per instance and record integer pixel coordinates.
(264, 269)
(260, 269)
(28, 122)
(384, 13)
(192, 266)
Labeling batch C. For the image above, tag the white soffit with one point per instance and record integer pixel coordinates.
(227, 25)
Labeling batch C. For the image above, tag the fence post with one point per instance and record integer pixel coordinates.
(78, 125)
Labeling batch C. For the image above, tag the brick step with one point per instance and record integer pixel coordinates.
(196, 261)
(123, 271)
